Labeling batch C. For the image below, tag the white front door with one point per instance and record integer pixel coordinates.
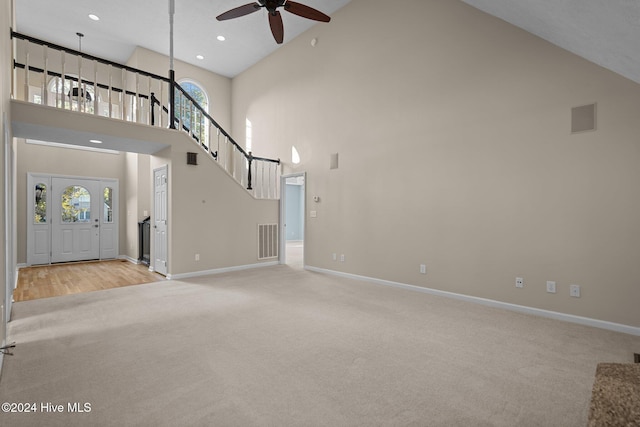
(160, 184)
(71, 219)
(75, 220)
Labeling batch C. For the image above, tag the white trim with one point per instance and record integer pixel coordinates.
(4, 342)
(220, 270)
(128, 258)
(71, 146)
(602, 324)
(282, 256)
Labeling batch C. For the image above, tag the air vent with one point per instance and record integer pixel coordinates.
(583, 118)
(192, 158)
(267, 241)
(333, 162)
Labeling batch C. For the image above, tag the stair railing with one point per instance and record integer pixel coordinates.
(65, 78)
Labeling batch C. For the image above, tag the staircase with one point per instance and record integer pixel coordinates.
(69, 80)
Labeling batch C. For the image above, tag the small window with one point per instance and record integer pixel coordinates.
(249, 135)
(76, 204)
(295, 156)
(40, 211)
(108, 205)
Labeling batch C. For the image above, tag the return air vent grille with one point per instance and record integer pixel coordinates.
(583, 118)
(267, 241)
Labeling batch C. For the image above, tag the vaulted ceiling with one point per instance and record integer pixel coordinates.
(604, 32)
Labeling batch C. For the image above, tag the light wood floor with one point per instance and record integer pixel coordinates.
(65, 279)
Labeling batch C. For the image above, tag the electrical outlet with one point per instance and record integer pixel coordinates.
(342, 258)
(551, 287)
(197, 257)
(574, 291)
(334, 256)
(423, 269)
(519, 282)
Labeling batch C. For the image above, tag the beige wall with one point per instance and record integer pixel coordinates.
(209, 214)
(218, 88)
(6, 16)
(453, 134)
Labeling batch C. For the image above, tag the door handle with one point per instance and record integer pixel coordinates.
(96, 226)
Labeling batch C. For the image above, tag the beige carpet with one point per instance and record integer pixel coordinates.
(286, 347)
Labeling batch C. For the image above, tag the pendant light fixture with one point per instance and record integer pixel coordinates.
(73, 93)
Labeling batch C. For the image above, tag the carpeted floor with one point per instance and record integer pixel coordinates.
(286, 347)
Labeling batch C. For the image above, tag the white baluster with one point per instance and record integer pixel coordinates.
(123, 103)
(161, 99)
(110, 91)
(26, 73)
(96, 91)
(226, 149)
(80, 89)
(63, 99)
(151, 106)
(45, 92)
(218, 142)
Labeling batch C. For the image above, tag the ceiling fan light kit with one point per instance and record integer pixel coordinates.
(275, 19)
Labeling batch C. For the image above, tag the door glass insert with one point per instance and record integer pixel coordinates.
(108, 205)
(40, 211)
(76, 204)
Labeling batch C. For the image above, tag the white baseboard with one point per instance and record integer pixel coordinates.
(617, 327)
(220, 270)
(128, 258)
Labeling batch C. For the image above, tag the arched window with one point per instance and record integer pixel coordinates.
(76, 204)
(40, 206)
(70, 95)
(196, 92)
(107, 203)
(196, 125)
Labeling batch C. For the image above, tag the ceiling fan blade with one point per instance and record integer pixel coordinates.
(277, 28)
(239, 11)
(306, 11)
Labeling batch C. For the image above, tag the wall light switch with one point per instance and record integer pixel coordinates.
(313, 214)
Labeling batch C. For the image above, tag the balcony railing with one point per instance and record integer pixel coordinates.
(48, 74)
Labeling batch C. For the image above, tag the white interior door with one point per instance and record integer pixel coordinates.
(75, 219)
(160, 185)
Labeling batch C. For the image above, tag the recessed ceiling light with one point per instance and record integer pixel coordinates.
(95, 141)
(199, 57)
(94, 17)
(221, 38)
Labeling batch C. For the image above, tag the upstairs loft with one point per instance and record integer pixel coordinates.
(65, 96)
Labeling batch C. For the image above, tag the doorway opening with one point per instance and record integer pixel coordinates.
(292, 211)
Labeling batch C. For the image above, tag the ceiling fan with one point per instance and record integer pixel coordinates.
(275, 19)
